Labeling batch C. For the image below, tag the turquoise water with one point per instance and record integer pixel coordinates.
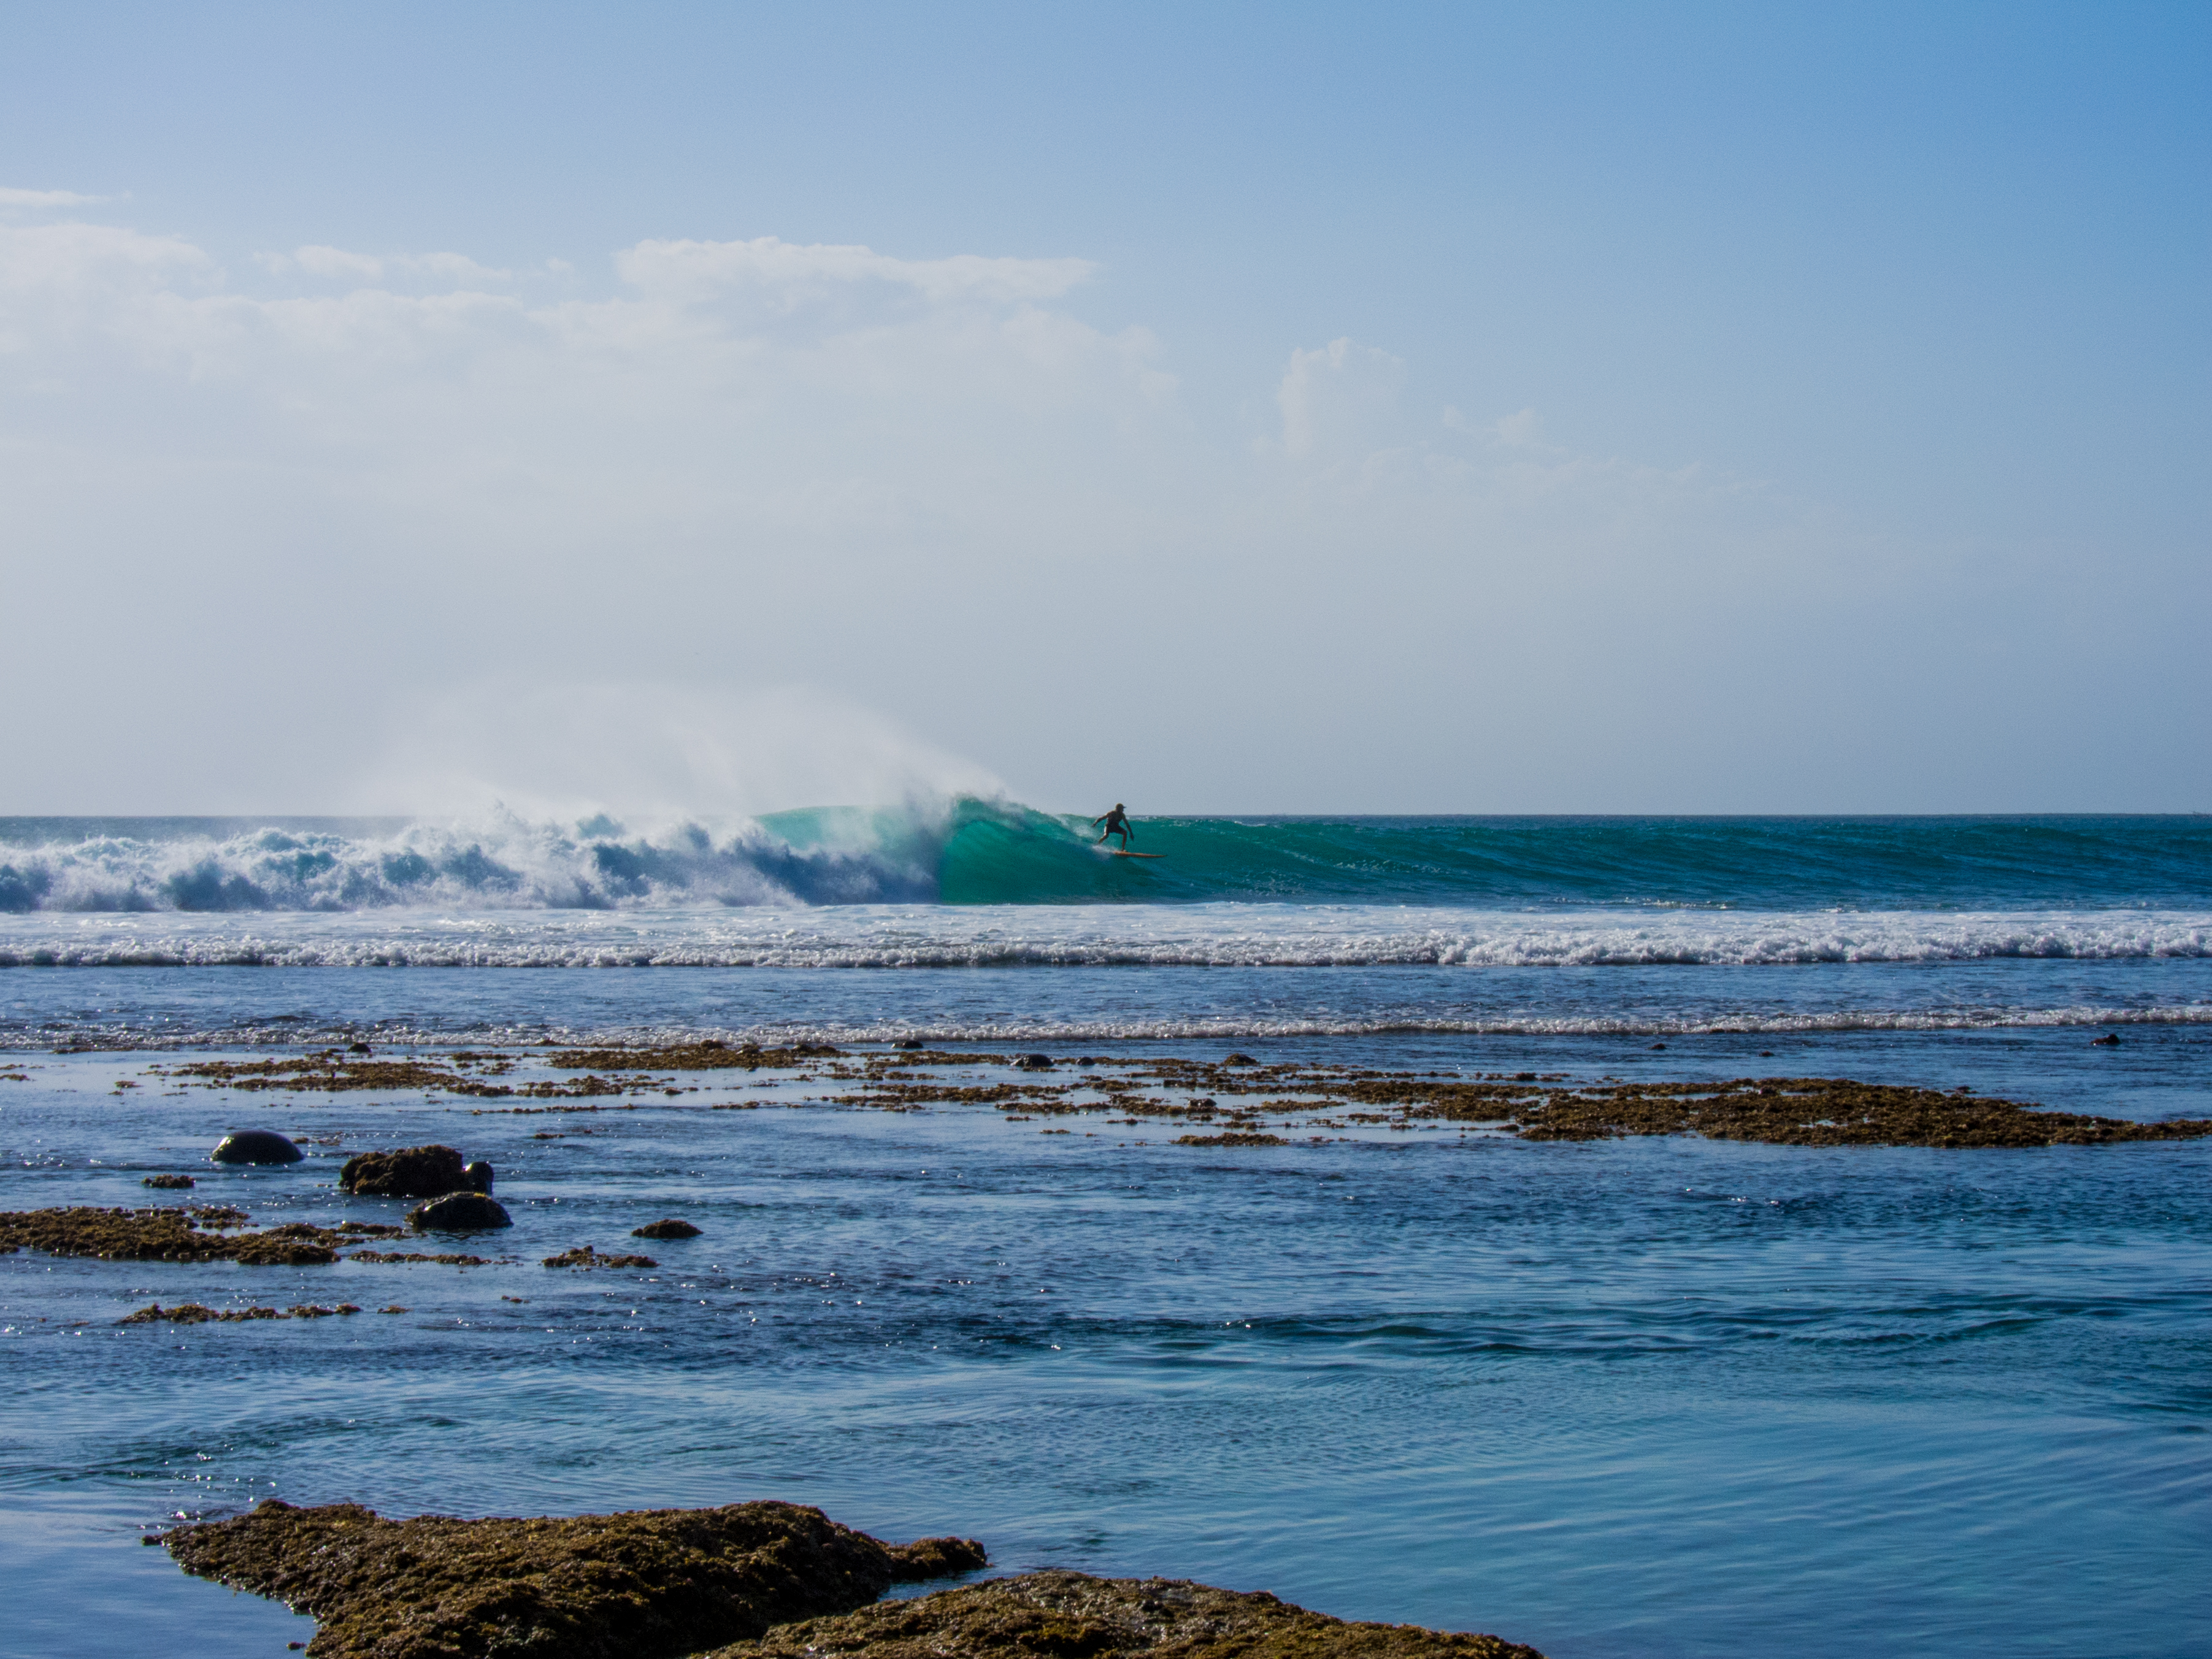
(1648, 1398)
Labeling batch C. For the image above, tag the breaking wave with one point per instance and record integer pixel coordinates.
(975, 852)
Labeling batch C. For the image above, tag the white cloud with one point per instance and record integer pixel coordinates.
(11, 197)
(793, 272)
(337, 263)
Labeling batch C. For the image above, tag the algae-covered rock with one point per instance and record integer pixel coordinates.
(255, 1147)
(458, 1213)
(649, 1584)
(1071, 1615)
(671, 1228)
(164, 1235)
(412, 1172)
(175, 1183)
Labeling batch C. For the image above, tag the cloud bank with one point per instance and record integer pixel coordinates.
(285, 515)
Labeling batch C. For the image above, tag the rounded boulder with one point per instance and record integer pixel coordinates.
(255, 1147)
(458, 1213)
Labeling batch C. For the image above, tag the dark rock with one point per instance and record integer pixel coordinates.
(910, 1043)
(1232, 1138)
(168, 1182)
(1033, 1063)
(458, 1213)
(1240, 1059)
(1656, 1047)
(1072, 1615)
(478, 1176)
(356, 1048)
(2108, 1041)
(671, 1228)
(411, 1172)
(651, 1584)
(255, 1146)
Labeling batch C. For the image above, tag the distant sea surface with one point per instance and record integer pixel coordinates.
(1638, 1398)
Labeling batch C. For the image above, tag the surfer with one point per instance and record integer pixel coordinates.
(1117, 824)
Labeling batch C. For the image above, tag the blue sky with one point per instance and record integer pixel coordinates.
(1480, 407)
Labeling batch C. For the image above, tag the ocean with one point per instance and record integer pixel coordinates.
(1628, 1399)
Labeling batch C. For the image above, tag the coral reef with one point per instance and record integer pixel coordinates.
(1071, 1615)
(640, 1585)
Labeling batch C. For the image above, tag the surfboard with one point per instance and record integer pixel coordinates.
(1116, 852)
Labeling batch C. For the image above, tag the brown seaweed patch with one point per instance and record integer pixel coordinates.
(652, 1583)
(585, 1256)
(172, 1183)
(707, 1056)
(161, 1235)
(1071, 1615)
(195, 1313)
(1825, 1112)
(450, 1259)
(1233, 1138)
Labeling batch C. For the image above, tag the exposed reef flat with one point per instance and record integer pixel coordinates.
(195, 1313)
(1071, 1615)
(165, 1235)
(749, 1581)
(648, 1584)
(1240, 1102)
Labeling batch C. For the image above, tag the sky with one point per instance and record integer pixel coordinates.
(1471, 408)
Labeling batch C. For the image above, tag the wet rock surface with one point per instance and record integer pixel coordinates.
(671, 1228)
(175, 1183)
(255, 1147)
(411, 1172)
(640, 1585)
(459, 1212)
(1071, 1615)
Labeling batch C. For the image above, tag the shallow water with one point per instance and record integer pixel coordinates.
(1650, 1397)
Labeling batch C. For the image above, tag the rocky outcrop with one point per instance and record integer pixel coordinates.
(458, 1213)
(671, 1228)
(1071, 1615)
(413, 1172)
(255, 1147)
(649, 1584)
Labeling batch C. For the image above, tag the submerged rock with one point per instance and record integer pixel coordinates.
(175, 1183)
(255, 1147)
(413, 1172)
(671, 1228)
(649, 1583)
(1071, 1615)
(458, 1213)
(1033, 1063)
